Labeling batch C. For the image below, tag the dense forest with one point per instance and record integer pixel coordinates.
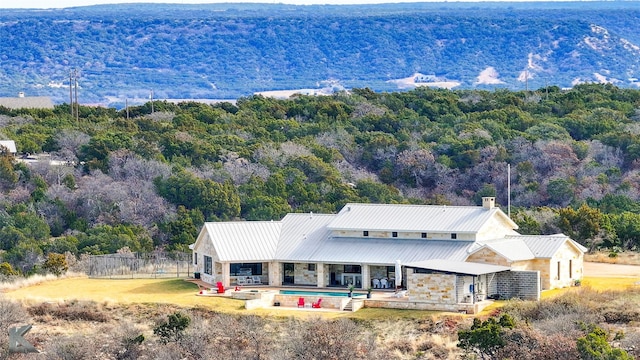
(225, 51)
(146, 180)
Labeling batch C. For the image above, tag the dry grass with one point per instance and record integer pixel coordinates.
(622, 258)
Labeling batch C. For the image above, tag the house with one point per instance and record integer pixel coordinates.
(9, 145)
(446, 257)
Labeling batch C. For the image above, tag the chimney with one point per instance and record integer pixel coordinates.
(488, 202)
(21, 94)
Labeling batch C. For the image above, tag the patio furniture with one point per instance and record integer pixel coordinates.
(301, 302)
(220, 287)
(384, 284)
(256, 280)
(316, 305)
(241, 280)
(376, 283)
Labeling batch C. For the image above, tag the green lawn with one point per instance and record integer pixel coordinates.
(182, 293)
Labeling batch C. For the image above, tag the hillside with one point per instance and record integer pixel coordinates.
(233, 50)
(150, 178)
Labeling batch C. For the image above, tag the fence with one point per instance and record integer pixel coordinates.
(141, 265)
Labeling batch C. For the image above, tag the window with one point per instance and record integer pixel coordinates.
(195, 258)
(558, 270)
(570, 269)
(424, 235)
(311, 267)
(365, 233)
(208, 265)
(352, 269)
(394, 234)
(454, 236)
(247, 269)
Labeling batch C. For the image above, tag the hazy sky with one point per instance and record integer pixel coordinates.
(47, 4)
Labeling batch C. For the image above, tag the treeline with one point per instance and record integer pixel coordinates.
(152, 179)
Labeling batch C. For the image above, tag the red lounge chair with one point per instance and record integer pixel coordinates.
(316, 305)
(220, 288)
(301, 302)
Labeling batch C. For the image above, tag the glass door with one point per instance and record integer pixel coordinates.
(288, 273)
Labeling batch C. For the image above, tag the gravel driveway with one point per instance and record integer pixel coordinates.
(611, 270)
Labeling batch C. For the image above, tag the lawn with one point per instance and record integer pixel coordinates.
(183, 294)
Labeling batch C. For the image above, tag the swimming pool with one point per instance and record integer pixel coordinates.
(318, 293)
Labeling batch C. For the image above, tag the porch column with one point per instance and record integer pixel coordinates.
(320, 275)
(275, 273)
(226, 274)
(366, 276)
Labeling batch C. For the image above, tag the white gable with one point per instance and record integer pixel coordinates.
(242, 241)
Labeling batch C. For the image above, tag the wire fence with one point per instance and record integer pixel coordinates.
(141, 265)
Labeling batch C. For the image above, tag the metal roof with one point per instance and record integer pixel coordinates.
(244, 240)
(302, 235)
(423, 218)
(385, 251)
(459, 267)
(511, 248)
(28, 102)
(545, 246)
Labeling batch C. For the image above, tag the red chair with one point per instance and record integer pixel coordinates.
(220, 287)
(316, 305)
(301, 302)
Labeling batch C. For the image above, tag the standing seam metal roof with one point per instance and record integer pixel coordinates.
(424, 218)
(459, 267)
(244, 240)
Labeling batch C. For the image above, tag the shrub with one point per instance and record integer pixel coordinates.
(485, 337)
(56, 264)
(173, 328)
(71, 311)
(594, 346)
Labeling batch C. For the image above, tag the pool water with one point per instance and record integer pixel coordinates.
(318, 293)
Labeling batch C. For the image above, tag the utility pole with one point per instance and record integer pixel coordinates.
(152, 101)
(71, 92)
(126, 106)
(77, 104)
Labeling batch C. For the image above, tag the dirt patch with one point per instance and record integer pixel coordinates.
(611, 270)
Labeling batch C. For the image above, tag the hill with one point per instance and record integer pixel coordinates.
(233, 50)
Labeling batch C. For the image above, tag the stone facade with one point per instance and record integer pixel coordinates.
(303, 275)
(432, 288)
(488, 256)
(566, 266)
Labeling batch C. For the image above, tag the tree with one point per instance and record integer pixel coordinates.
(56, 264)
(585, 225)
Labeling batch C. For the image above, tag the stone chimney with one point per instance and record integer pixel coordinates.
(488, 202)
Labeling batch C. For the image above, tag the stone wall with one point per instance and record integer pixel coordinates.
(569, 258)
(433, 288)
(328, 302)
(304, 276)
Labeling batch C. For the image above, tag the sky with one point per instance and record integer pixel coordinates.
(48, 4)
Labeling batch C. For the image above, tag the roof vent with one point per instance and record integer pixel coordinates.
(311, 215)
(21, 94)
(488, 202)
